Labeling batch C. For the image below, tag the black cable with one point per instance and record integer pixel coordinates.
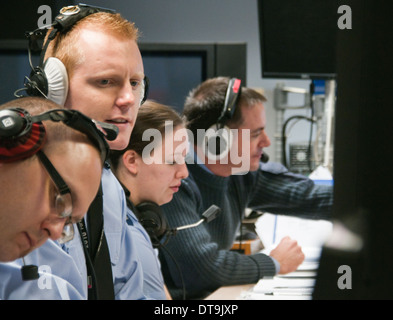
(283, 135)
(312, 90)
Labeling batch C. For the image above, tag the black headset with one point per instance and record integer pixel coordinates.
(50, 79)
(22, 135)
(218, 138)
(151, 218)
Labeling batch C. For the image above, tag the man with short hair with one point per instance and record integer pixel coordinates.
(44, 188)
(225, 109)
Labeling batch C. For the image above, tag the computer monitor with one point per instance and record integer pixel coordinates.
(176, 68)
(298, 38)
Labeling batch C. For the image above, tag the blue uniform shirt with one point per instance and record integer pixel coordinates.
(67, 264)
(126, 265)
(59, 277)
(153, 282)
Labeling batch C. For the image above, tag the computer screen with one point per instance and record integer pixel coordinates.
(298, 38)
(176, 68)
(172, 76)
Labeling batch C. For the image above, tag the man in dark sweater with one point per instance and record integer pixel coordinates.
(200, 258)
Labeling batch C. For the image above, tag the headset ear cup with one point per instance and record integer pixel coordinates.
(19, 137)
(57, 80)
(152, 219)
(218, 142)
(37, 85)
(12, 123)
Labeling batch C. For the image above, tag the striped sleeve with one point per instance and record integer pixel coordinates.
(203, 265)
(279, 191)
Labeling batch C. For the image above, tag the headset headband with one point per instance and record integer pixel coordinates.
(22, 135)
(97, 131)
(231, 97)
(63, 22)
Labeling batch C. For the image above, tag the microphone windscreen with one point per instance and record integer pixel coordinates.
(211, 213)
(30, 272)
(110, 129)
(264, 157)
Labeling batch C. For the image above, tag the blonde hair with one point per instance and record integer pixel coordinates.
(65, 45)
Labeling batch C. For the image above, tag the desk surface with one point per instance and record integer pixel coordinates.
(229, 292)
(241, 292)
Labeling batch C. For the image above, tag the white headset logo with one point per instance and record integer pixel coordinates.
(8, 122)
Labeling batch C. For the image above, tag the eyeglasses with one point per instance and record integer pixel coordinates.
(63, 201)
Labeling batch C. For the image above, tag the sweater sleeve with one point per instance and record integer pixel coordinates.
(193, 256)
(281, 192)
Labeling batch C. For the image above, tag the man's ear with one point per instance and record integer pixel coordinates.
(130, 161)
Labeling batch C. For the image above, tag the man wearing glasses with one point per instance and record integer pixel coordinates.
(44, 187)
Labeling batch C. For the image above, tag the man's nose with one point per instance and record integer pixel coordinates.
(264, 141)
(54, 227)
(127, 97)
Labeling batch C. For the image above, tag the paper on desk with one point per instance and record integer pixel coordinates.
(277, 288)
(310, 234)
(285, 286)
(321, 173)
(278, 296)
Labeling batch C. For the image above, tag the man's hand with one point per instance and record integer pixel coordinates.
(289, 254)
